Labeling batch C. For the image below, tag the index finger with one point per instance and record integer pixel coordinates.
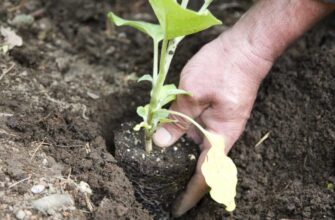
(195, 190)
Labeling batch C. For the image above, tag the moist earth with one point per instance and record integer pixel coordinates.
(66, 91)
(158, 177)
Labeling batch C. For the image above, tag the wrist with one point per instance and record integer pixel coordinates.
(271, 26)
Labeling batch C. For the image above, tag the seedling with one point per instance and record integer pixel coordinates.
(176, 22)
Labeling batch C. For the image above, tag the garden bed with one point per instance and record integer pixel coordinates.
(71, 85)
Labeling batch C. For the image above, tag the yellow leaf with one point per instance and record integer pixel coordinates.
(220, 173)
(218, 169)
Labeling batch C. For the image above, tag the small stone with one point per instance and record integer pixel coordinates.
(84, 187)
(143, 156)
(20, 214)
(158, 159)
(93, 95)
(53, 202)
(191, 156)
(37, 189)
(175, 148)
(45, 162)
(22, 20)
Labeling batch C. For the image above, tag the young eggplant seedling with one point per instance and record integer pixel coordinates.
(176, 22)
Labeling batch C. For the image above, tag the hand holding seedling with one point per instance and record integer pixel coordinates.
(175, 22)
(221, 102)
(224, 76)
(218, 86)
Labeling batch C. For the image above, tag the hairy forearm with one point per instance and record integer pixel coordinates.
(270, 26)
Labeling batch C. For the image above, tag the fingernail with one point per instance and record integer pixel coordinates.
(162, 137)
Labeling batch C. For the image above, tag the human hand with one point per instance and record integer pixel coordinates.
(225, 74)
(223, 80)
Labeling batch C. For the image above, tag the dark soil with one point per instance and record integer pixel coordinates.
(71, 85)
(158, 177)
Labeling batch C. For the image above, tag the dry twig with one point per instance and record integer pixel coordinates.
(18, 182)
(266, 136)
(7, 71)
(37, 148)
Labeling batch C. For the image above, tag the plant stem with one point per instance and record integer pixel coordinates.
(155, 62)
(148, 141)
(167, 52)
(157, 86)
(206, 133)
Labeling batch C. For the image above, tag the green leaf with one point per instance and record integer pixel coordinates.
(141, 125)
(146, 77)
(177, 21)
(153, 30)
(169, 93)
(143, 111)
(159, 115)
(171, 89)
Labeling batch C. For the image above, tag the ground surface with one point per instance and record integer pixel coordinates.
(66, 90)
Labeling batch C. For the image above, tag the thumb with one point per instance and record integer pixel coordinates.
(168, 134)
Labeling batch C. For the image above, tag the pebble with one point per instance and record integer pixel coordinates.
(191, 156)
(22, 20)
(37, 189)
(45, 162)
(53, 202)
(20, 214)
(84, 187)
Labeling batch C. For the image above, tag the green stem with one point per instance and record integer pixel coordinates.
(206, 133)
(205, 5)
(155, 61)
(167, 52)
(154, 102)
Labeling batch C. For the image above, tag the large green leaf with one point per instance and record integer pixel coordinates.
(153, 30)
(177, 21)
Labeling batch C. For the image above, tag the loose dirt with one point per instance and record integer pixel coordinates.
(72, 84)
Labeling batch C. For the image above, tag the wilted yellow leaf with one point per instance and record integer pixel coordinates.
(218, 169)
(220, 173)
